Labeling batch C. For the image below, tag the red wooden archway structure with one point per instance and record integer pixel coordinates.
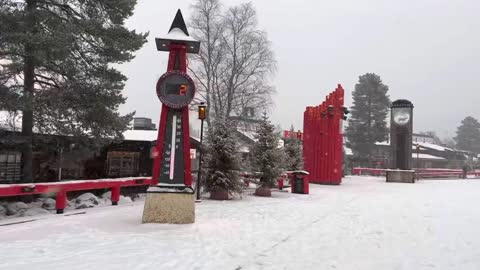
(323, 139)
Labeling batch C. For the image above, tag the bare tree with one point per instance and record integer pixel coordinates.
(207, 28)
(236, 61)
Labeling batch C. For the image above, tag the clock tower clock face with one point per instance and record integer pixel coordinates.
(401, 116)
(175, 89)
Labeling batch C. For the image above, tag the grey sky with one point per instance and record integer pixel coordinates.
(424, 50)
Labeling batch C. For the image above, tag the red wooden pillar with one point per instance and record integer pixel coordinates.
(308, 138)
(312, 144)
(61, 201)
(339, 140)
(329, 142)
(318, 146)
(328, 155)
(115, 195)
(334, 146)
(322, 149)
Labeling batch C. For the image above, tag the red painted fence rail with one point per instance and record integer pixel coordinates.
(61, 188)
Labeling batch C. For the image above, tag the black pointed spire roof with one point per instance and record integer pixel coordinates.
(180, 36)
(179, 23)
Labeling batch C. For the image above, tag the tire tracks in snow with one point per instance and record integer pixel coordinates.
(301, 230)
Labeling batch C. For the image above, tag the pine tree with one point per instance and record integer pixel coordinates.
(368, 122)
(468, 135)
(222, 161)
(294, 153)
(57, 62)
(267, 156)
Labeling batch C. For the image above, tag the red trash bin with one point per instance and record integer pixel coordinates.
(299, 183)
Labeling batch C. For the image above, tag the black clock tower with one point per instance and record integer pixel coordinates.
(401, 129)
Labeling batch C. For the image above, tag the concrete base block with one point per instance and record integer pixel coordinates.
(401, 176)
(169, 207)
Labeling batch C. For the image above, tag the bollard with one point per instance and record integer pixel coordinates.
(115, 195)
(280, 183)
(61, 201)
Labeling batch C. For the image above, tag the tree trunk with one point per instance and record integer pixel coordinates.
(28, 88)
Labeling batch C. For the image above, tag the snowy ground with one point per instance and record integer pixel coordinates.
(363, 224)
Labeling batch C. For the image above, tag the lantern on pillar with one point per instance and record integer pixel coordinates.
(202, 111)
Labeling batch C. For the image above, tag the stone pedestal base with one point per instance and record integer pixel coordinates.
(164, 205)
(401, 176)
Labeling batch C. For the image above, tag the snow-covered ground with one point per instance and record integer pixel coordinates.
(363, 224)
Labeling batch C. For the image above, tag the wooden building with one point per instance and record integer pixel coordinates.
(59, 158)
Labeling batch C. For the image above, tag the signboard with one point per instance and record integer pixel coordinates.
(293, 134)
(193, 153)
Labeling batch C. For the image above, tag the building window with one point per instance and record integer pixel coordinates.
(10, 167)
(120, 164)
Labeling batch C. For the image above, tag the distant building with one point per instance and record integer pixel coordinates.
(426, 155)
(143, 123)
(422, 138)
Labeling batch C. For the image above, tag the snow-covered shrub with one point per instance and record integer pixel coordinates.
(293, 153)
(267, 157)
(125, 199)
(49, 204)
(221, 162)
(86, 200)
(3, 211)
(16, 208)
(107, 195)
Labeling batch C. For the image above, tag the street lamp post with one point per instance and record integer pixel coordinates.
(202, 115)
(418, 158)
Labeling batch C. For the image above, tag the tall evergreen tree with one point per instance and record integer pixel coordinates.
(267, 156)
(222, 161)
(368, 121)
(468, 135)
(294, 153)
(57, 62)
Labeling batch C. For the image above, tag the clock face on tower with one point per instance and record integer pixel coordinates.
(175, 89)
(401, 116)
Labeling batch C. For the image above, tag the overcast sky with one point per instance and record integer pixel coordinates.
(427, 51)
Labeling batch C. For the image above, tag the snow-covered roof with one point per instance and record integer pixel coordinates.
(422, 145)
(177, 34)
(348, 151)
(434, 146)
(248, 133)
(425, 156)
(145, 135)
(382, 143)
(140, 135)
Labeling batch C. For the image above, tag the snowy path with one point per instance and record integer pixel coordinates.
(362, 224)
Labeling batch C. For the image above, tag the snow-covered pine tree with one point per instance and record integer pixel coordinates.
(368, 122)
(58, 67)
(266, 154)
(468, 135)
(294, 153)
(222, 162)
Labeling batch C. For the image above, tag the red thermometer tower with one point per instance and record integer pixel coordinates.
(171, 197)
(175, 89)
